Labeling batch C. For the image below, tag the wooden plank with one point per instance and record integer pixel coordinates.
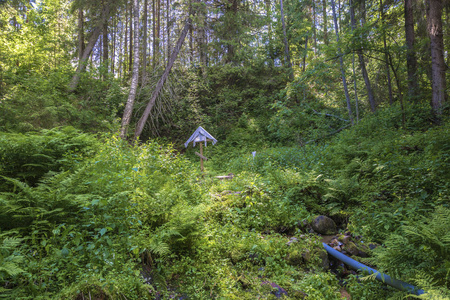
(201, 156)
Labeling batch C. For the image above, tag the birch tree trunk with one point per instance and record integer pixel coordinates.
(341, 61)
(135, 76)
(141, 123)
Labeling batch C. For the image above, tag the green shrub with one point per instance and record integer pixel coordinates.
(419, 247)
(28, 157)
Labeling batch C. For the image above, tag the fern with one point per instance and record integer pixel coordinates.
(9, 260)
(418, 249)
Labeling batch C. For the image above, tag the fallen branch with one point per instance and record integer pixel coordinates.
(330, 115)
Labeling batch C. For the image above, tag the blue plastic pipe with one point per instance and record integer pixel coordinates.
(398, 284)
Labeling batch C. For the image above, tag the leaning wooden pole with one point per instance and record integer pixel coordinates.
(135, 77)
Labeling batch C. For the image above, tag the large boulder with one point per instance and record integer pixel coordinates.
(324, 225)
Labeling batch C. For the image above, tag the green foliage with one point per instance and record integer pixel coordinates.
(420, 247)
(28, 157)
(41, 101)
(93, 220)
(258, 205)
(319, 286)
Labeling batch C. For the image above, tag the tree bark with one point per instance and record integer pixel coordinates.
(305, 54)
(144, 43)
(158, 27)
(438, 67)
(325, 21)
(168, 27)
(353, 27)
(286, 45)
(362, 63)
(90, 46)
(202, 40)
(130, 64)
(135, 75)
(411, 60)
(105, 45)
(80, 33)
(154, 33)
(341, 61)
(140, 125)
(125, 48)
(314, 25)
(386, 56)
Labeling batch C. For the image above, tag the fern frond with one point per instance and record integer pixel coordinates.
(10, 268)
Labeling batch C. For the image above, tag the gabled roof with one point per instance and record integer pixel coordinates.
(200, 135)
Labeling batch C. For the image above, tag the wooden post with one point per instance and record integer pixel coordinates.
(201, 153)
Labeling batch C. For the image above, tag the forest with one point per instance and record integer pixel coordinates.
(332, 125)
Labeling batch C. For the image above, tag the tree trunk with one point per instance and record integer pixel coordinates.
(144, 43)
(411, 61)
(125, 48)
(191, 45)
(286, 45)
(130, 65)
(399, 87)
(341, 61)
(154, 33)
(158, 27)
(135, 75)
(314, 25)
(325, 21)
(168, 27)
(362, 64)
(202, 40)
(113, 51)
(140, 125)
(438, 67)
(353, 27)
(386, 55)
(90, 46)
(80, 33)
(105, 45)
(363, 11)
(305, 54)
(119, 50)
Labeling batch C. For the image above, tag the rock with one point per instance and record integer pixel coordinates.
(278, 291)
(294, 258)
(324, 258)
(373, 246)
(351, 248)
(324, 225)
(292, 240)
(306, 255)
(346, 239)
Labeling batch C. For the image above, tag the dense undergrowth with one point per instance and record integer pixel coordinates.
(84, 217)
